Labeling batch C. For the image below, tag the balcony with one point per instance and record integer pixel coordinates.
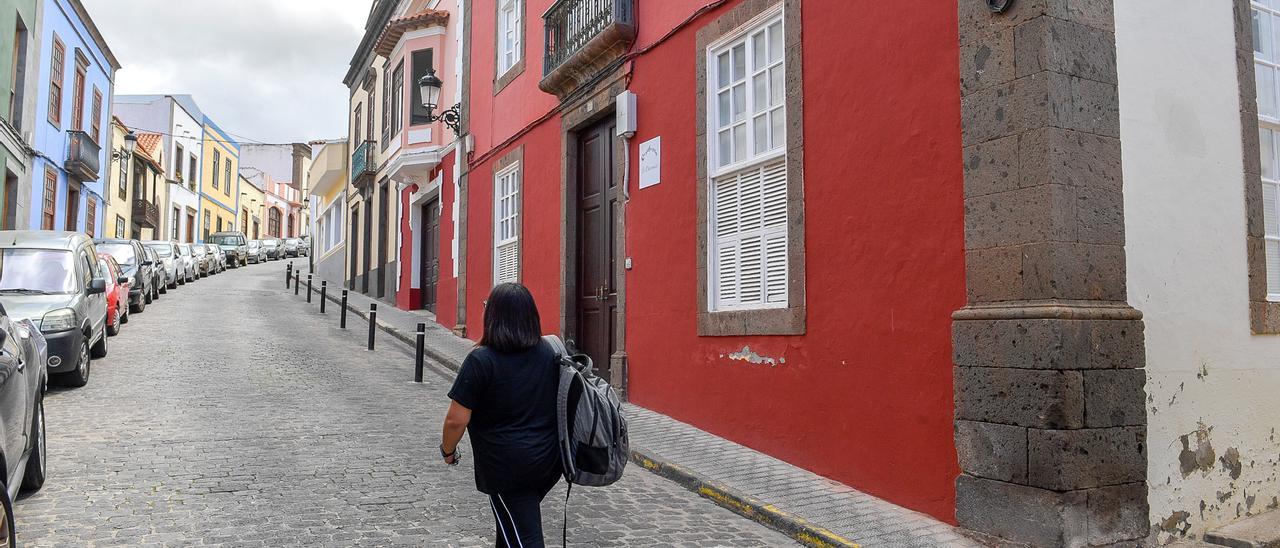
(582, 38)
(363, 164)
(84, 157)
(146, 214)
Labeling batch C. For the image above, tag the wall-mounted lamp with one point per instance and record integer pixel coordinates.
(429, 85)
(130, 145)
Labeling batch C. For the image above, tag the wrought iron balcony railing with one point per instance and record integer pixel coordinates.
(84, 156)
(363, 164)
(583, 35)
(146, 213)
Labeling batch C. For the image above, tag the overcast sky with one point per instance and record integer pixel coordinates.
(265, 70)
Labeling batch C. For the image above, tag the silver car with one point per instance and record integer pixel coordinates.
(219, 258)
(190, 266)
(257, 252)
(171, 265)
(203, 260)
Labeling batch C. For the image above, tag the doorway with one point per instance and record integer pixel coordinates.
(73, 206)
(191, 226)
(429, 267)
(353, 247)
(368, 247)
(597, 197)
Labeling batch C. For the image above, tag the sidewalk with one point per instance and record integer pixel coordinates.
(811, 509)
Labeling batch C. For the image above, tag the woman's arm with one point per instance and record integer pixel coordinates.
(455, 423)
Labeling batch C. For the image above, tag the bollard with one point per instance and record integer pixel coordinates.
(297, 281)
(324, 290)
(288, 273)
(342, 323)
(373, 322)
(417, 356)
(308, 289)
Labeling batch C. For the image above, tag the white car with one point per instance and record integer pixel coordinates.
(171, 265)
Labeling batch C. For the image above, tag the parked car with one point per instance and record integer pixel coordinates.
(117, 293)
(234, 245)
(293, 247)
(22, 428)
(191, 266)
(53, 279)
(203, 260)
(257, 252)
(274, 247)
(170, 262)
(158, 284)
(137, 266)
(219, 258)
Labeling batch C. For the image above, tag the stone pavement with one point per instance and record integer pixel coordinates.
(808, 507)
(233, 414)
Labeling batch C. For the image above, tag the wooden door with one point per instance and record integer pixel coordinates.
(353, 247)
(429, 272)
(191, 227)
(73, 207)
(597, 196)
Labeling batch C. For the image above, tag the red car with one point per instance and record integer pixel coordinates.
(117, 292)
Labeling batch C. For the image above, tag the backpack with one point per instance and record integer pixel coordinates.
(594, 447)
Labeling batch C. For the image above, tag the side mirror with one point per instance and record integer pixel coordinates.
(122, 280)
(97, 286)
(148, 263)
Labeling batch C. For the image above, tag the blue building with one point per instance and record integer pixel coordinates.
(73, 131)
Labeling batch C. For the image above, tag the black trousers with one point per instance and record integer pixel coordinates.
(519, 518)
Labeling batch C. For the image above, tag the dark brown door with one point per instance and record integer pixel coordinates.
(191, 227)
(597, 196)
(368, 247)
(73, 206)
(384, 215)
(353, 247)
(430, 266)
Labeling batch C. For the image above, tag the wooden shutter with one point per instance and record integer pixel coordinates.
(90, 215)
(50, 198)
(96, 123)
(77, 109)
(57, 76)
(750, 226)
(217, 159)
(506, 232)
(508, 263)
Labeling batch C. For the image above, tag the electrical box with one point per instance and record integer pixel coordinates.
(626, 114)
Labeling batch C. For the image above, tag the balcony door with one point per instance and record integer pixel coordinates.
(73, 206)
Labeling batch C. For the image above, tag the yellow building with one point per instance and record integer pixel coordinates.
(219, 181)
(252, 203)
(117, 217)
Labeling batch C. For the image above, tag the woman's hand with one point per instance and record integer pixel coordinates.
(450, 457)
(455, 423)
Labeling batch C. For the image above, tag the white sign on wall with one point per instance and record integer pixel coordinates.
(650, 162)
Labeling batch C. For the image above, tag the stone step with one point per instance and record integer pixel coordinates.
(1260, 531)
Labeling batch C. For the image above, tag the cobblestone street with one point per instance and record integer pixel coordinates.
(211, 424)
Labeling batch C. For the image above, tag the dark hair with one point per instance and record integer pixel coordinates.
(511, 322)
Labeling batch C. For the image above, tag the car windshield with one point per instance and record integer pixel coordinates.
(183, 250)
(270, 243)
(37, 271)
(293, 241)
(122, 252)
(225, 239)
(255, 245)
(198, 250)
(162, 250)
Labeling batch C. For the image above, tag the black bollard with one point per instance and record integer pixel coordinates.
(297, 281)
(342, 323)
(373, 322)
(324, 290)
(308, 289)
(417, 356)
(288, 273)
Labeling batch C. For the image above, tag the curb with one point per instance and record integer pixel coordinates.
(749, 507)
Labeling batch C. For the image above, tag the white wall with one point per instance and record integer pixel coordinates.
(1212, 386)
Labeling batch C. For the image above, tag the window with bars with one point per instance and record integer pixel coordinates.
(506, 225)
(509, 35)
(748, 183)
(57, 77)
(119, 227)
(1266, 23)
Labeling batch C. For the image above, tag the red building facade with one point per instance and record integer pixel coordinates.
(772, 253)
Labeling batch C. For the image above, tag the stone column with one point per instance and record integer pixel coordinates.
(1050, 419)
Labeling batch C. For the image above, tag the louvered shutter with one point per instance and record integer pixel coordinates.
(506, 235)
(750, 254)
(508, 263)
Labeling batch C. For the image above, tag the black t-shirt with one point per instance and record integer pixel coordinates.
(512, 398)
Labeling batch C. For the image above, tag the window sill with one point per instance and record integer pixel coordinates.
(767, 321)
(504, 79)
(1264, 318)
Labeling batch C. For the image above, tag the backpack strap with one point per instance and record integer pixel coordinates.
(564, 531)
(556, 344)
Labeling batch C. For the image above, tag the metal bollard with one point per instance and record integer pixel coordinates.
(324, 290)
(297, 281)
(288, 273)
(417, 356)
(308, 289)
(342, 323)
(373, 322)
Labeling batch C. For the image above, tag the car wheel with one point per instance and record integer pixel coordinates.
(7, 536)
(124, 317)
(140, 307)
(100, 349)
(146, 296)
(80, 376)
(113, 328)
(33, 479)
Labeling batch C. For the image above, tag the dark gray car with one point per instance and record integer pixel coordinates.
(23, 378)
(54, 280)
(138, 266)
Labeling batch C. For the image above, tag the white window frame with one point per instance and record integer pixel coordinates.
(1266, 60)
(509, 24)
(506, 220)
(769, 160)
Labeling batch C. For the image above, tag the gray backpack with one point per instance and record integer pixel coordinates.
(593, 433)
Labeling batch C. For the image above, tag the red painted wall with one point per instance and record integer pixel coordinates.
(407, 297)
(447, 287)
(865, 396)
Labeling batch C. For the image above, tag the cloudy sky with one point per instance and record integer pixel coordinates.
(265, 70)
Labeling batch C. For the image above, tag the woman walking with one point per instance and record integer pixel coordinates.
(505, 397)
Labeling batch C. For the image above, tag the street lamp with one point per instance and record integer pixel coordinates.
(429, 85)
(130, 145)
